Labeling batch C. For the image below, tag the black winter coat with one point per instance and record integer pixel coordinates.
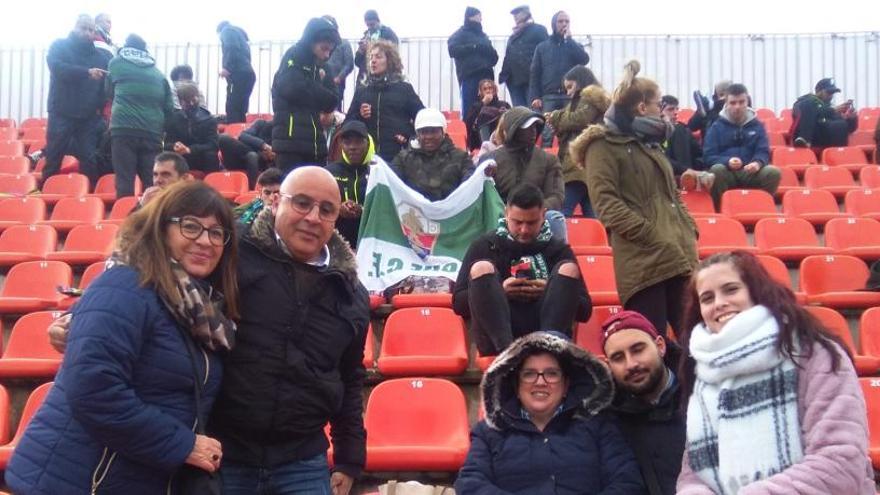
(394, 108)
(298, 358)
(196, 129)
(236, 50)
(474, 55)
(515, 70)
(72, 93)
(553, 58)
(683, 150)
(258, 134)
(299, 95)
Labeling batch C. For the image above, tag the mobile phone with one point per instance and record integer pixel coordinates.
(523, 270)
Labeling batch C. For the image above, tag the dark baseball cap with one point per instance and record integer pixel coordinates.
(827, 84)
(519, 9)
(354, 127)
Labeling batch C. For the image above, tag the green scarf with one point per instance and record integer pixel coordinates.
(536, 262)
(543, 236)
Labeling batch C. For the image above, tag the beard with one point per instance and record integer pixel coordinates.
(649, 386)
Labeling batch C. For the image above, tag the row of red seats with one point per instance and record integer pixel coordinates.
(67, 214)
(84, 245)
(34, 286)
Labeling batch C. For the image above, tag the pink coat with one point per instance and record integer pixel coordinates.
(834, 425)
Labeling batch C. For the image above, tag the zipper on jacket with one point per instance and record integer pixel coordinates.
(378, 131)
(97, 478)
(315, 140)
(357, 177)
(290, 127)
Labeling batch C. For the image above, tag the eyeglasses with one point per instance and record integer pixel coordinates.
(192, 230)
(302, 204)
(553, 375)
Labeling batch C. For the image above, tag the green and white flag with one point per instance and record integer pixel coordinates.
(403, 234)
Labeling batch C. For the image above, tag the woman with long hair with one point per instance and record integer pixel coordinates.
(482, 119)
(773, 402)
(385, 102)
(143, 360)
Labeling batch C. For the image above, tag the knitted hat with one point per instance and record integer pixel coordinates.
(627, 320)
(371, 15)
(521, 8)
(470, 12)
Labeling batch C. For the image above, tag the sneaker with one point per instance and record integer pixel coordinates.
(689, 180)
(801, 143)
(701, 102)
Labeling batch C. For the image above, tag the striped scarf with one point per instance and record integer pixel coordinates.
(742, 419)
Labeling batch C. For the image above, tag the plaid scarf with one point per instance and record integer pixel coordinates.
(742, 419)
(199, 311)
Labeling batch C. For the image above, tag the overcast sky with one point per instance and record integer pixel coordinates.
(38, 22)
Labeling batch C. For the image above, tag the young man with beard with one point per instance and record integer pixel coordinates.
(646, 401)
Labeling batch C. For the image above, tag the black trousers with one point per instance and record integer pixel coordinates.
(72, 136)
(239, 86)
(133, 155)
(239, 156)
(822, 133)
(661, 303)
(496, 321)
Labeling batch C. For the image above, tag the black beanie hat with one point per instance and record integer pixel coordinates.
(136, 42)
(470, 12)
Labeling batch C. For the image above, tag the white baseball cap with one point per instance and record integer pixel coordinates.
(430, 117)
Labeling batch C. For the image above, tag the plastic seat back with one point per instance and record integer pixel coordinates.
(834, 322)
(588, 334)
(34, 401)
(22, 210)
(422, 341)
(95, 238)
(14, 165)
(863, 202)
(837, 273)
(871, 391)
(37, 279)
(228, 184)
(845, 155)
(82, 210)
(587, 236)
(869, 176)
(122, 208)
(809, 201)
(793, 156)
(18, 185)
(831, 178)
(29, 337)
(699, 204)
(776, 269)
(598, 274)
(11, 148)
(773, 233)
(869, 333)
(38, 240)
(748, 205)
(721, 234)
(845, 233)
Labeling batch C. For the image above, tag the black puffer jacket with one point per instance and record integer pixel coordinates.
(553, 58)
(518, 55)
(394, 105)
(72, 93)
(236, 50)
(297, 363)
(474, 55)
(258, 134)
(197, 129)
(299, 94)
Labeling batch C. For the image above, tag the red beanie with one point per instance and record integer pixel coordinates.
(627, 320)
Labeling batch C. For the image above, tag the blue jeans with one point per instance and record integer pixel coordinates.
(469, 88)
(305, 477)
(548, 104)
(576, 194)
(557, 225)
(519, 95)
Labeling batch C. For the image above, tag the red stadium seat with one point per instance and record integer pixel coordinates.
(34, 122)
(764, 114)
(813, 205)
(459, 139)
(416, 424)
(598, 274)
(776, 139)
(836, 324)
(779, 272)
(33, 286)
(6, 122)
(849, 157)
(699, 204)
(34, 401)
(452, 115)
(245, 198)
(423, 341)
(70, 212)
(21, 243)
(871, 390)
(587, 236)
(797, 159)
(588, 334)
(69, 165)
(868, 122)
(721, 234)
(869, 177)
(863, 140)
(18, 211)
(17, 185)
(748, 205)
(369, 351)
(685, 114)
(14, 165)
(121, 209)
(63, 186)
(87, 244)
(105, 189)
(235, 130)
(88, 277)
(837, 181)
(456, 127)
(859, 237)
(788, 181)
(837, 282)
(437, 300)
(869, 333)
(789, 239)
(228, 184)
(11, 148)
(376, 301)
(863, 203)
(5, 420)
(28, 353)
(483, 362)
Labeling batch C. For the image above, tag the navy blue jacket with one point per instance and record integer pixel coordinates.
(725, 140)
(72, 93)
(474, 55)
(553, 58)
(236, 50)
(123, 405)
(518, 54)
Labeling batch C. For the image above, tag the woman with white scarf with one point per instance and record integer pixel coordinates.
(774, 402)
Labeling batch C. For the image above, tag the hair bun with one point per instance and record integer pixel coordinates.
(632, 68)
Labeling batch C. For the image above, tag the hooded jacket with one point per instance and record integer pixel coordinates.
(480, 115)
(299, 94)
(394, 105)
(635, 196)
(352, 180)
(142, 100)
(197, 129)
(474, 55)
(569, 122)
(726, 139)
(298, 359)
(683, 150)
(518, 54)
(72, 93)
(433, 174)
(236, 49)
(579, 452)
(553, 58)
(530, 164)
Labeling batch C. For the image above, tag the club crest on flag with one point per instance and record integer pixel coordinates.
(419, 231)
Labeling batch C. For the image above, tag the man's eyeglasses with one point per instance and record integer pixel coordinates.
(302, 204)
(192, 230)
(552, 375)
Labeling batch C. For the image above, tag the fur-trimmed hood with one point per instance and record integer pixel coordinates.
(591, 388)
(262, 235)
(596, 96)
(578, 147)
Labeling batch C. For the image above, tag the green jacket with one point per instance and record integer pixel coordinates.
(568, 124)
(632, 188)
(436, 174)
(142, 98)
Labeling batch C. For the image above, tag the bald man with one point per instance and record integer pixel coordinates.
(297, 363)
